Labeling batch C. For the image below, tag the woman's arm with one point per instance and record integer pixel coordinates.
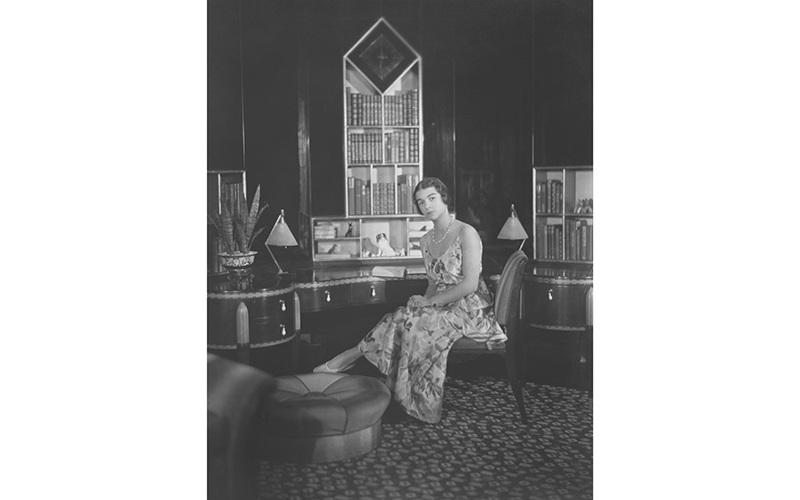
(470, 268)
(431, 290)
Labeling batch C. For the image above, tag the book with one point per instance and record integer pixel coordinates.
(389, 271)
(351, 196)
(332, 256)
(348, 103)
(415, 271)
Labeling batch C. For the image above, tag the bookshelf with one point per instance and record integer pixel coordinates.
(382, 145)
(563, 214)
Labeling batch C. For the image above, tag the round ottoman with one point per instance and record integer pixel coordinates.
(322, 417)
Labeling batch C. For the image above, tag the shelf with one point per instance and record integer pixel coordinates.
(382, 124)
(382, 136)
(377, 237)
(560, 234)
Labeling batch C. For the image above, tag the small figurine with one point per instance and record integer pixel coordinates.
(384, 248)
(349, 233)
(336, 248)
(584, 206)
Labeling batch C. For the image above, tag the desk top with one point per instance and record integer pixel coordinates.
(263, 278)
(256, 279)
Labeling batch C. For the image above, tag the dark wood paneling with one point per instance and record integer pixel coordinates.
(270, 96)
(224, 122)
(563, 82)
(438, 111)
(498, 77)
(332, 29)
(493, 109)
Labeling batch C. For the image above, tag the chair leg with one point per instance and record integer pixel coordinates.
(516, 388)
(590, 360)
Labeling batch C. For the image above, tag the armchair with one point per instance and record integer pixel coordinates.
(235, 392)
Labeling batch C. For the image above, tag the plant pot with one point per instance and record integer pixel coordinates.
(237, 260)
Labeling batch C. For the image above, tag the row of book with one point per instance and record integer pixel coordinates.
(369, 110)
(365, 198)
(358, 197)
(325, 231)
(364, 148)
(402, 146)
(578, 244)
(403, 108)
(405, 193)
(383, 198)
(549, 196)
(399, 146)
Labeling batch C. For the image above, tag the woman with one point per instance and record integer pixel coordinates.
(410, 346)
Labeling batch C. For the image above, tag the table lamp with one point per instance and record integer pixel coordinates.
(280, 236)
(512, 229)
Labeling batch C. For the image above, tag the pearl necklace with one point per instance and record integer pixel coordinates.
(433, 237)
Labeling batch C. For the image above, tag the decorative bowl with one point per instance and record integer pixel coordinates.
(237, 260)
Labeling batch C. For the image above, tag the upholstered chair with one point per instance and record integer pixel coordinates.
(235, 393)
(507, 310)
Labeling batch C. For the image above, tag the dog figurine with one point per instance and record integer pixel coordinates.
(384, 248)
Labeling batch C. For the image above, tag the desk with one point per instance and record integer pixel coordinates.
(319, 289)
(555, 312)
(261, 302)
(268, 306)
(325, 289)
(555, 298)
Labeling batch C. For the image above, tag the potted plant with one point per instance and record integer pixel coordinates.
(236, 227)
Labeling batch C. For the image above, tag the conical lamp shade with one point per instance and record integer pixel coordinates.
(281, 235)
(512, 229)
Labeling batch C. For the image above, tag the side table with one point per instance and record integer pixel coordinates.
(251, 311)
(555, 300)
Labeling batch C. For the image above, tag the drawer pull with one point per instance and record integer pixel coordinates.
(372, 290)
(283, 330)
(327, 296)
(283, 305)
(550, 294)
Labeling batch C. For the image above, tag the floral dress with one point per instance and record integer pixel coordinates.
(410, 345)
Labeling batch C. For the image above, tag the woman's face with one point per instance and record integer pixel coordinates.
(430, 203)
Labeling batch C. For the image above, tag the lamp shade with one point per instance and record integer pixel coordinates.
(281, 235)
(512, 229)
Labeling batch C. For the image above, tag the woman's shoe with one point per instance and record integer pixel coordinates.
(324, 368)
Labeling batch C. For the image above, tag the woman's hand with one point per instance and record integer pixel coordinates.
(419, 301)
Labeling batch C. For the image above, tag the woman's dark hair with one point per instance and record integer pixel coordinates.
(433, 182)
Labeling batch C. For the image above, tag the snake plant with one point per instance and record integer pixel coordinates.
(236, 225)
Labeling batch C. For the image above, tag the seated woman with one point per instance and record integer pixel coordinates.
(410, 345)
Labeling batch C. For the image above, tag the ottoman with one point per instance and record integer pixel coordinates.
(322, 417)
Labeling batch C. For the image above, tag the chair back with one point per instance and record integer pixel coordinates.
(590, 307)
(507, 297)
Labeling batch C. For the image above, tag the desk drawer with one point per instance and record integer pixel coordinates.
(365, 293)
(324, 297)
(270, 319)
(556, 303)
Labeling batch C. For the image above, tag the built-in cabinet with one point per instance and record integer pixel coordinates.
(563, 208)
(382, 144)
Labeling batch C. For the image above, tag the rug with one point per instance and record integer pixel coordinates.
(478, 450)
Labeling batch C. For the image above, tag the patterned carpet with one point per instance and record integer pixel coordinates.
(478, 450)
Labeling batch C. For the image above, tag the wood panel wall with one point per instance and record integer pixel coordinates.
(506, 84)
